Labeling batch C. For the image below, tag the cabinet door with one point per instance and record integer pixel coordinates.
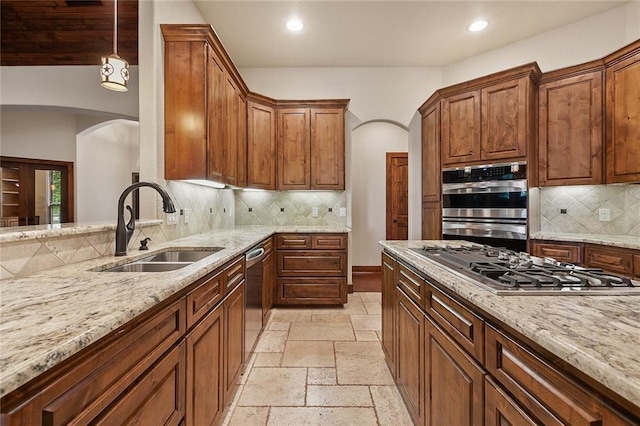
(217, 112)
(504, 120)
(231, 134)
(501, 410)
(461, 128)
(431, 171)
(570, 127)
(261, 149)
(410, 361)
(327, 149)
(623, 120)
(233, 340)
(389, 274)
(157, 398)
(242, 141)
(268, 285)
(204, 370)
(454, 382)
(294, 148)
(185, 141)
(431, 221)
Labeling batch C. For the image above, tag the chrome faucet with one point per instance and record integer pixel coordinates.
(124, 232)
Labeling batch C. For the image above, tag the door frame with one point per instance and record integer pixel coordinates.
(67, 207)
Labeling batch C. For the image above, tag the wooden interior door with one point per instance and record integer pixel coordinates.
(397, 196)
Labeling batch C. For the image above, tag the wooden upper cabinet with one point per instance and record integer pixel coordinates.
(185, 141)
(294, 148)
(311, 147)
(461, 128)
(431, 171)
(327, 149)
(504, 128)
(261, 146)
(570, 127)
(487, 119)
(217, 104)
(622, 115)
(205, 113)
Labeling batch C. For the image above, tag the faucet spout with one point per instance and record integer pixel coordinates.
(125, 232)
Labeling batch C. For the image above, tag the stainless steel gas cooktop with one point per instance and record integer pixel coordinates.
(506, 272)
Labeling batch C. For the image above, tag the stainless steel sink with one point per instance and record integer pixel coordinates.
(182, 255)
(147, 267)
(169, 260)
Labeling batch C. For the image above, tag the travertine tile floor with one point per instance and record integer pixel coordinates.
(320, 366)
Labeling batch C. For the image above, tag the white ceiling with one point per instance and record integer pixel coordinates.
(369, 33)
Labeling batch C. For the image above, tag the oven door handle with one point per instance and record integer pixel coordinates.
(485, 187)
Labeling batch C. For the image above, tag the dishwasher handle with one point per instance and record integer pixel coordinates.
(254, 256)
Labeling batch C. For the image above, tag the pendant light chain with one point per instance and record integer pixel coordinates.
(115, 26)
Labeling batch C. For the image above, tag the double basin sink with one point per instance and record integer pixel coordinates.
(169, 260)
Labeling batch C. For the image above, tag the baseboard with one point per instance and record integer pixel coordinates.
(366, 269)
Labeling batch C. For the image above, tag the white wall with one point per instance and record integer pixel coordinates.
(75, 87)
(39, 135)
(106, 157)
(573, 44)
(369, 145)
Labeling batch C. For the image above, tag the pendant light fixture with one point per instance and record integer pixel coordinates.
(114, 70)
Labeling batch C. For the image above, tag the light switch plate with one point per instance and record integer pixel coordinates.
(314, 212)
(187, 215)
(343, 211)
(604, 215)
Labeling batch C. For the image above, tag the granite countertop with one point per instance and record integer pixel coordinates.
(598, 335)
(626, 241)
(49, 316)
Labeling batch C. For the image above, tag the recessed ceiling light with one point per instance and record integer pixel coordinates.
(294, 24)
(478, 26)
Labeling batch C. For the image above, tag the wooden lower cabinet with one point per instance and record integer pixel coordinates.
(233, 340)
(311, 269)
(268, 285)
(156, 399)
(388, 341)
(410, 361)
(500, 409)
(205, 344)
(453, 380)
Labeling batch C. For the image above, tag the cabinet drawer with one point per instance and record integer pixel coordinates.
(466, 328)
(312, 263)
(411, 283)
(556, 398)
(312, 290)
(205, 297)
(103, 376)
(329, 242)
(293, 241)
(234, 273)
(609, 258)
(571, 253)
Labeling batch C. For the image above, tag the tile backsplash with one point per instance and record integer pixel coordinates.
(583, 204)
(208, 209)
(289, 207)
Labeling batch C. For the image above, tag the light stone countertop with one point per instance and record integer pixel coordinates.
(49, 316)
(24, 233)
(598, 335)
(626, 241)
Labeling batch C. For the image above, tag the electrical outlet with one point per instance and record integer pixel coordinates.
(604, 215)
(343, 211)
(563, 211)
(314, 212)
(171, 218)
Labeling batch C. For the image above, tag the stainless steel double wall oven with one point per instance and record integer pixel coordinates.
(486, 204)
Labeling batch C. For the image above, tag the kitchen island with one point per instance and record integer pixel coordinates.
(588, 344)
(51, 316)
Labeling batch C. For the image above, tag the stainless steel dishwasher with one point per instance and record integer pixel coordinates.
(253, 304)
